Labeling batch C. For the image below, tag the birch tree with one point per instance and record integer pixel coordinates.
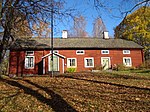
(79, 27)
(98, 28)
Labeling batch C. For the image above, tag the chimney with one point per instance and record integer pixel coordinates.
(64, 34)
(105, 35)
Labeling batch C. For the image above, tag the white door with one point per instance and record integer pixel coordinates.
(55, 64)
(105, 61)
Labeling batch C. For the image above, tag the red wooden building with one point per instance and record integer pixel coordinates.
(33, 56)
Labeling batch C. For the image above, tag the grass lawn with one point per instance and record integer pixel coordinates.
(77, 92)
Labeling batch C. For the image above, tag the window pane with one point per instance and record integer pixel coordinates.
(79, 51)
(72, 62)
(30, 53)
(54, 51)
(105, 51)
(127, 61)
(89, 62)
(29, 62)
(126, 51)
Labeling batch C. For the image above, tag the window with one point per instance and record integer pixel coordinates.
(29, 53)
(127, 61)
(89, 62)
(126, 51)
(54, 51)
(104, 51)
(79, 52)
(29, 62)
(71, 62)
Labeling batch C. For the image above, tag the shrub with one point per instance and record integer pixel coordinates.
(145, 65)
(98, 68)
(121, 67)
(4, 67)
(4, 64)
(71, 70)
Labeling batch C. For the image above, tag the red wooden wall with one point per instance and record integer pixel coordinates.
(17, 59)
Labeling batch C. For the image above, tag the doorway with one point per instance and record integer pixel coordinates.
(55, 63)
(105, 62)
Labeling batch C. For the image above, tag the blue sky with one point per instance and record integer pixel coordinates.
(110, 15)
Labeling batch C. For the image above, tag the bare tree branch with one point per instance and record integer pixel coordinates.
(146, 2)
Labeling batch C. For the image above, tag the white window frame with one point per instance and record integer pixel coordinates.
(103, 51)
(26, 63)
(126, 51)
(85, 62)
(81, 52)
(125, 63)
(68, 63)
(29, 54)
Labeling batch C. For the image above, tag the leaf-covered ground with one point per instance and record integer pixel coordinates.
(78, 92)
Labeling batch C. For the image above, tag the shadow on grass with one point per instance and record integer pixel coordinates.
(143, 71)
(57, 103)
(127, 77)
(110, 83)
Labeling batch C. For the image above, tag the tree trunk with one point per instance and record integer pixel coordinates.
(2, 53)
(5, 43)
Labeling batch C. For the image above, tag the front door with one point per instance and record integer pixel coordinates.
(105, 61)
(40, 68)
(55, 63)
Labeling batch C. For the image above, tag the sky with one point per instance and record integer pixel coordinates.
(110, 14)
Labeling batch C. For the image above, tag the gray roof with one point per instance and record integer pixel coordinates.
(60, 43)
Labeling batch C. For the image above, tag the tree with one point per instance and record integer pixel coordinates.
(4, 64)
(98, 28)
(0, 7)
(16, 12)
(21, 29)
(79, 27)
(42, 29)
(136, 27)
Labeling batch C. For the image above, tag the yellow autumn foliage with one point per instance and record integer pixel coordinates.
(136, 27)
